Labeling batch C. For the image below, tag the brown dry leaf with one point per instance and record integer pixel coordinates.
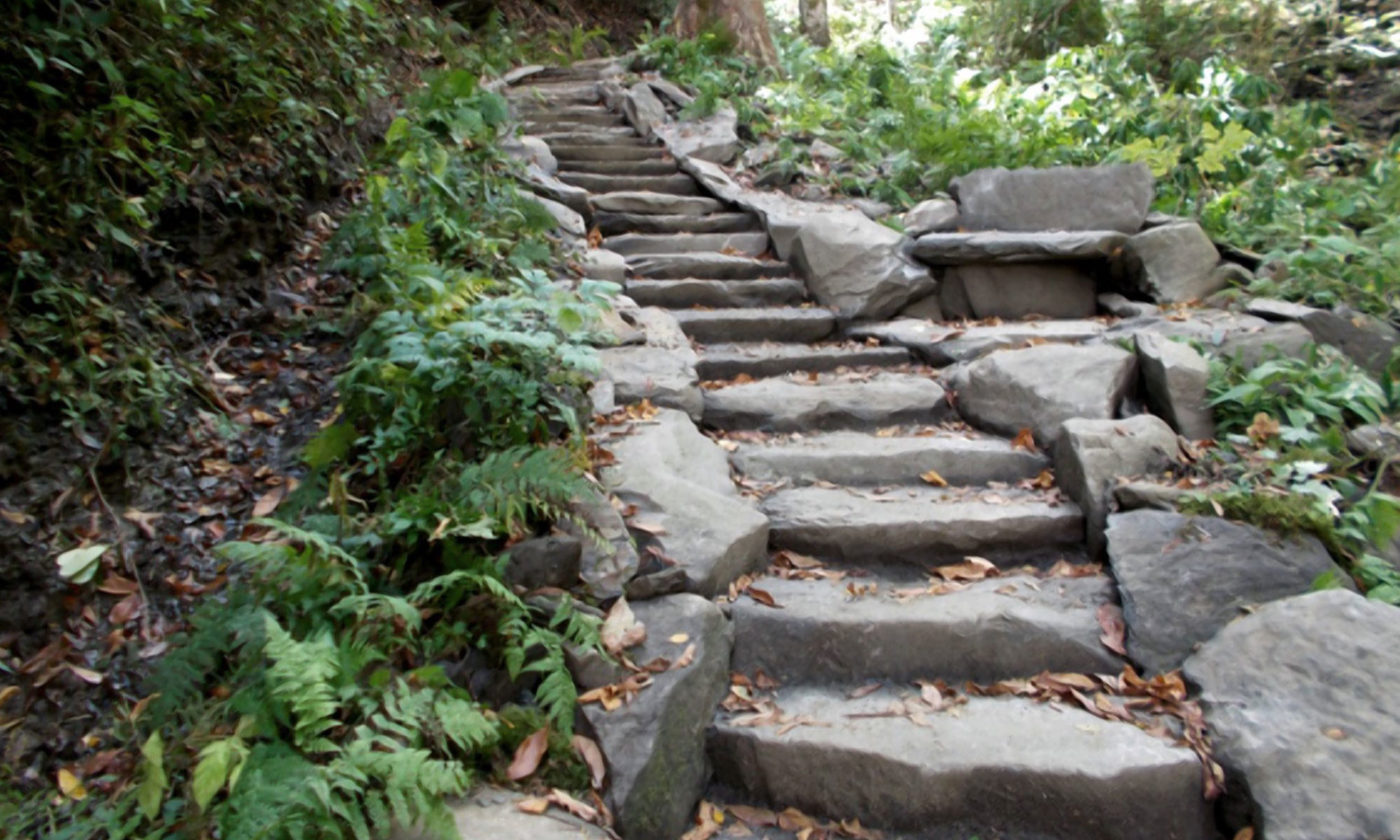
(87, 675)
(595, 238)
(754, 817)
(932, 694)
(1025, 439)
(888, 431)
(592, 756)
(678, 638)
(643, 410)
(800, 561)
(708, 820)
(1044, 481)
(742, 379)
(535, 805)
(932, 477)
(763, 682)
(115, 584)
(582, 810)
(792, 819)
(1063, 682)
(143, 521)
(1064, 568)
(653, 528)
(969, 570)
(621, 630)
(1263, 428)
(685, 659)
(262, 418)
(1246, 833)
(1111, 622)
(762, 596)
(268, 502)
(15, 517)
(126, 609)
(528, 755)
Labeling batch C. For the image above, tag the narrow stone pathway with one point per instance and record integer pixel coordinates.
(879, 481)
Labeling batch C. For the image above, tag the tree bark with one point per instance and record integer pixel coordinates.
(814, 22)
(894, 15)
(742, 20)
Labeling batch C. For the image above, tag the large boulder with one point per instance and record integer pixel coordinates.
(545, 185)
(1368, 341)
(1060, 198)
(1251, 347)
(940, 344)
(662, 370)
(1300, 700)
(1173, 263)
(655, 744)
(1011, 246)
(605, 564)
(531, 150)
(1018, 290)
(679, 481)
(1092, 455)
(1042, 386)
(1182, 578)
(643, 109)
(854, 266)
(714, 138)
(1174, 376)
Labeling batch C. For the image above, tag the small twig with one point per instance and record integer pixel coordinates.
(126, 554)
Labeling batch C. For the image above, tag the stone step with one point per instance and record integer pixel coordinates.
(787, 323)
(594, 137)
(862, 459)
(557, 93)
(650, 203)
(589, 69)
(834, 401)
(680, 294)
(1014, 246)
(586, 151)
(726, 361)
(749, 244)
(621, 167)
(677, 184)
(992, 768)
(946, 344)
(921, 524)
(995, 629)
(715, 266)
(529, 109)
(610, 224)
(549, 127)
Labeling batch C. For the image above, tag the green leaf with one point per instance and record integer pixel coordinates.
(78, 565)
(217, 762)
(153, 779)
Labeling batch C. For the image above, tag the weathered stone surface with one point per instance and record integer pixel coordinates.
(714, 139)
(945, 345)
(871, 208)
(676, 184)
(671, 91)
(656, 203)
(1136, 495)
(643, 110)
(1278, 310)
(606, 568)
(714, 266)
(747, 243)
(1115, 304)
(492, 812)
(567, 220)
(788, 324)
(1173, 263)
(602, 264)
(928, 308)
(919, 525)
(1174, 376)
(1211, 327)
(824, 151)
(853, 265)
(1182, 578)
(544, 561)
(1019, 290)
(1300, 699)
(1375, 440)
(679, 480)
(1041, 387)
(531, 150)
(831, 403)
(1013, 246)
(1060, 198)
(655, 745)
(726, 361)
(609, 223)
(665, 376)
(996, 768)
(1366, 340)
(1251, 347)
(543, 184)
(1091, 455)
(858, 458)
(683, 294)
(995, 629)
(649, 166)
(935, 215)
(572, 152)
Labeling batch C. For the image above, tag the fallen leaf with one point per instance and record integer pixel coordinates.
(678, 638)
(970, 569)
(144, 521)
(126, 609)
(535, 805)
(268, 502)
(1111, 622)
(1025, 439)
(1044, 481)
(653, 528)
(1246, 833)
(762, 596)
(528, 755)
(621, 630)
(1263, 428)
(687, 657)
(592, 756)
(70, 786)
(864, 691)
(932, 477)
(115, 584)
(15, 517)
(79, 565)
(87, 675)
(579, 809)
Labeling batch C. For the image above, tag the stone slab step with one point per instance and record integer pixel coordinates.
(678, 184)
(832, 402)
(547, 127)
(610, 223)
(921, 525)
(788, 323)
(621, 167)
(946, 344)
(991, 768)
(995, 629)
(726, 361)
(1013, 246)
(593, 114)
(862, 459)
(560, 93)
(660, 204)
(680, 294)
(594, 137)
(713, 266)
(587, 151)
(749, 244)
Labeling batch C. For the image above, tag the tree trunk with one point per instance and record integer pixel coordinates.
(814, 23)
(742, 20)
(894, 15)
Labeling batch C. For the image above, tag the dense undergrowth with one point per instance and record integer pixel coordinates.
(327, 693)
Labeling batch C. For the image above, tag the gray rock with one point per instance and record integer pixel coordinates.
(714, 138)
(1230, 277)
(1174, 376)
(1041, 387)
(1211, 327)
(775, 324)
(1136, 495)
(543, 184)
(531, 150)
(1115, 304)
(872, 209)
(606, 567)
(666, 377)
(927, 308)
(668, 581)
(832, 403)
(1092, 455)
(1300, 700)
(492, 812)
(756, 156)
(1060, 198)
(853, 265)
(643, 110)
(592, 668)
(952, 296)
(1173, 263)
(1278, 310)
(942, 345)
(679, 480)
(1011, 246)
(544, 561)
(1375, 440)
(1365, 340)
(656, 203)
(936, 215)
(824, 151)
(1019, 290)
(566, 220)
(728, 361)
(655, 745)
(671, 91)
(1250, 347)
(602, 264)
(1182, 578)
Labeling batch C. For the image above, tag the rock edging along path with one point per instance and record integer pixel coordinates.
(901, 619)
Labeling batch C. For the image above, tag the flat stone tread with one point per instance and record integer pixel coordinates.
(833, 401)
(649, 166)
(999, 628)
(783, 323)
(841, 456)
(712, 265)
(544, 128)
(584, 113)
(590, 151)
(623, 201)
(749, 243)
(677, 184)
(946, 343)
(594, 138)
(1016, 246)
(611, 223)
(769, 358)
(763, 291)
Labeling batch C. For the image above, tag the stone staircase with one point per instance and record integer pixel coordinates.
(872, 474)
